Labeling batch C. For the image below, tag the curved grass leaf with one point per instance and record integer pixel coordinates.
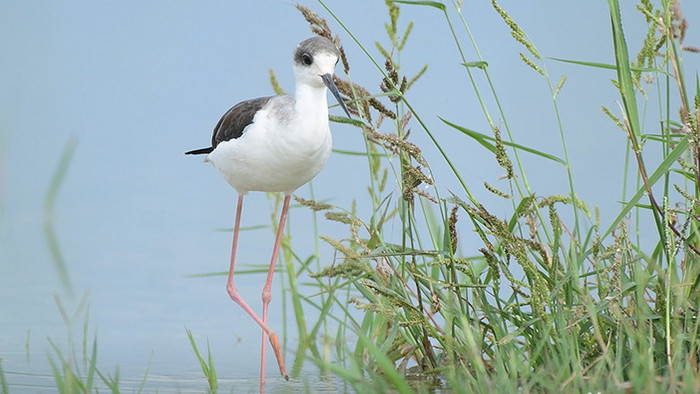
(485, 141)
(607, 66)
(49, 204)
(478, 64)
(624, 72)
(661, 170)
(433, 4)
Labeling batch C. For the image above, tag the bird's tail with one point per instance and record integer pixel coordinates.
(200, 151)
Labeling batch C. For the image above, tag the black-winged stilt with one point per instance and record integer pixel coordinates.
(277, 144)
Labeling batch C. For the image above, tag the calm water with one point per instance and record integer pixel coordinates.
(140, 329)
(44, 383)
(137, 301)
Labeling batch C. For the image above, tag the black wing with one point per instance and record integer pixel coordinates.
(233, 122)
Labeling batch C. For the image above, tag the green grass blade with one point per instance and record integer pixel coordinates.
(49, 204)
(213, 382)
(92, 366)
(606, 66)
(386, 365)
(624, 73)
(433, 4)
(485, 141)
(3, 380)
(57, 376)
(480, 64)
(145, 375)
(208, 369)
(660, 171)
(202, 363)
(353, 153)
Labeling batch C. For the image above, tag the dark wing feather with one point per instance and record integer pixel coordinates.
(236, 119)
(232, 124)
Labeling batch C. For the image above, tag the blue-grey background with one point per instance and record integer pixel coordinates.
(139, 83)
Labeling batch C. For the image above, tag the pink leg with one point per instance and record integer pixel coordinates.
(267, 293)
(233, 293)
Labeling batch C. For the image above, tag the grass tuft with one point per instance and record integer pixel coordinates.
(552, 299)
(207, 365)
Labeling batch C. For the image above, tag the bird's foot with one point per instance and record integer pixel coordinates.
(274, 341)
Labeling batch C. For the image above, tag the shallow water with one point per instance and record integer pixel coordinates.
(137, 308)
(44, 383)
(159, 356)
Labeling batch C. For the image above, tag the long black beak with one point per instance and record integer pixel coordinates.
(328, 81)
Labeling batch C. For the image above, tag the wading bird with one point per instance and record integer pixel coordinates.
(276, 144)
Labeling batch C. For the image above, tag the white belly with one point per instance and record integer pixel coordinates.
(273, 157)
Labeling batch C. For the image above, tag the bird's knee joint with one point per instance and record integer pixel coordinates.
(232, 292)
(266, 296)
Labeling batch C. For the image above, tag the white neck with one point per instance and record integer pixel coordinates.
(311, 101)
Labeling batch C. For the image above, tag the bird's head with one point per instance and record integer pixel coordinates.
(314, 65)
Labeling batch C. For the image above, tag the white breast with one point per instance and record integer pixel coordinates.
(279, 152)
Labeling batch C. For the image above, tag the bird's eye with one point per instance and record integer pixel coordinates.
(307, 59)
